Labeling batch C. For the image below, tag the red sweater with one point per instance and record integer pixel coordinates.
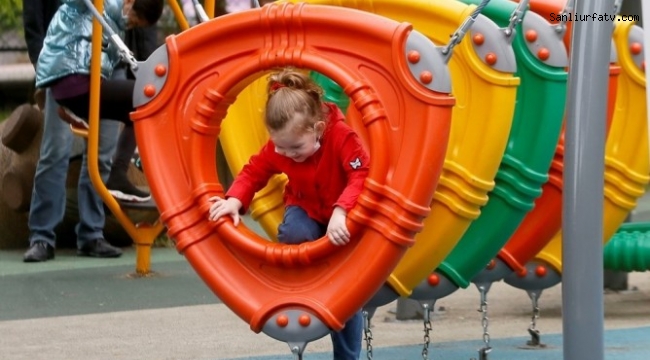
(333, 176)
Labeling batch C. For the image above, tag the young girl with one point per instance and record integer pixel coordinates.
(326, 164)
(64, 67)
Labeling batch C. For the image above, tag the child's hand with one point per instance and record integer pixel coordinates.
(223, 207)
(337, 231)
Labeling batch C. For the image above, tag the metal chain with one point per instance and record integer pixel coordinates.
(484, 319)
(458, 35)
(427, 330)
(516, 17)
(297, 354)
(568, 8)
(200, 11)
(532, 329)
(367, 334)
(617, 6)
(125, 54)
(535, 317)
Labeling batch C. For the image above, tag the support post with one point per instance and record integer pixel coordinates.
(582, 255)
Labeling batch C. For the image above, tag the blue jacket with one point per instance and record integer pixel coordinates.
(67, 45)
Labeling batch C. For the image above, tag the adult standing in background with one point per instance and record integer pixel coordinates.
(49, 193)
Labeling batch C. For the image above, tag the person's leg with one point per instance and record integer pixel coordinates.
(297, 227)
(118, 182)
(47, 206)
(90, 230)
(91, 206)
(347, 342)
(115, 103)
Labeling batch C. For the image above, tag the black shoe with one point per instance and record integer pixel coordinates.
(99, 248)
(122, 189)
(39, 251)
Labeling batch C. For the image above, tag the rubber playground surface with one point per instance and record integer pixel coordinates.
(79, 308)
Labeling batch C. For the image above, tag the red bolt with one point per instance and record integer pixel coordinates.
(426, 77)
(543, 54)
(636, 48)
(433, 280)
(160, 70)
(491, 58)
(304, 320)
(540, 271)
(491, 264)
(478, 39)
(413, 56)
(282, 320)
(149, 90)
(531, 35)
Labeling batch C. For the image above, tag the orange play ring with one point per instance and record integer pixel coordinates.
(295, 292)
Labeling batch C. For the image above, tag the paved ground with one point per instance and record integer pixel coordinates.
(77, 308)
(83, 309)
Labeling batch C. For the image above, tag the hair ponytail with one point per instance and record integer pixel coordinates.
(291, 92)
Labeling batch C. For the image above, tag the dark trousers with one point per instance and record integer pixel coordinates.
(115, 103)
(297, 227)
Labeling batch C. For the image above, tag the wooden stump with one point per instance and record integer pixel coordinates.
(19, 152)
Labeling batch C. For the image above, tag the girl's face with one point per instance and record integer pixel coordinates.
(295, 142)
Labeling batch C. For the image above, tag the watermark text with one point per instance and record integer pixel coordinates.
(574, 16)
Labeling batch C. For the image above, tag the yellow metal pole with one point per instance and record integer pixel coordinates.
(209, 8)
(143, 236)
(178, 14)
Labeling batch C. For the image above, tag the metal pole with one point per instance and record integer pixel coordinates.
(645, 14)
(582, 233)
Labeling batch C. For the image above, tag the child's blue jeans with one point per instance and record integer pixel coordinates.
(298, 227)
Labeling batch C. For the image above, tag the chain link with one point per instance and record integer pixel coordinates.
(297, 354)
(427, 331)
(516, 17)
(532, 329)
(200, 11)
(535, 317)
(125, 54)
(568, 8)
(484, 319)
(367, 334)
(458, 35)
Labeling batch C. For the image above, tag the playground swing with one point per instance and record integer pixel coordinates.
(502, 265)
(298, 293)
(541, 59)
(539, 225)
(625, 171)
(552, 78)
(463, 161)
(626, 168)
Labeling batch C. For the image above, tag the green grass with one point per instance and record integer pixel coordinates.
(4, 113)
